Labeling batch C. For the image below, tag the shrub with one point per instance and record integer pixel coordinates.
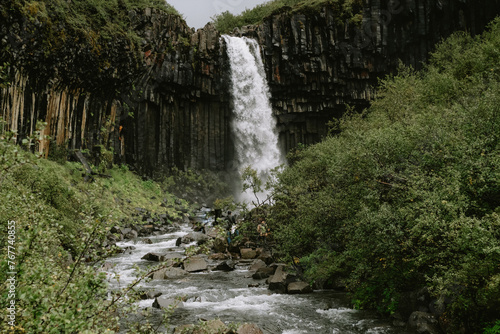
(407, 194)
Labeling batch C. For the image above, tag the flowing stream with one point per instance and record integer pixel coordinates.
(253, 126)
(234, 297)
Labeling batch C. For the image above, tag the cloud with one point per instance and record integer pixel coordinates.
(199, 12)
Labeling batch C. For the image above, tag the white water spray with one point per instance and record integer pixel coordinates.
(253, 126)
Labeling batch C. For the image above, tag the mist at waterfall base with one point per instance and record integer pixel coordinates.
(253, 125)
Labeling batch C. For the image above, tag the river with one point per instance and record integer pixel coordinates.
(235, 297)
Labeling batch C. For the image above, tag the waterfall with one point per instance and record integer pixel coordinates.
(253, 126)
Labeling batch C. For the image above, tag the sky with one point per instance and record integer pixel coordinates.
(198, 12)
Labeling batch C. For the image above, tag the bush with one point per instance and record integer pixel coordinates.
(408, 193)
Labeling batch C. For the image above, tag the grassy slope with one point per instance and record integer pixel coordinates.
(59, 218)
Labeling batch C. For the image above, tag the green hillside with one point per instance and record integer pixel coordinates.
(56, 226)
(407, 194)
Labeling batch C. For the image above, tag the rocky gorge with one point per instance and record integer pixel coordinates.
(164, 101)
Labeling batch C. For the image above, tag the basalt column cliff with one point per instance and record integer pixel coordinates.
(163, 105)
(319, 62)
(164, 101)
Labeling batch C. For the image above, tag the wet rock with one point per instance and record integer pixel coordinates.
(397, 320)
(146, 230)
(158, 274)
(158, 257)
(277, 282)
(299, 288)
(174, 273)
(194, 264)
(150, 294)
(212, 326)
(263, 272)
(173, 256)
(218, 256)
(116, 229)
(165, 302)
(125, 230)
(131, 235)
(148, 241)
(127, 249)
(257, 264)
(248, 253)
(199, 237)
(226, 266)
(249, 329)
(424, 323)
(265, 256)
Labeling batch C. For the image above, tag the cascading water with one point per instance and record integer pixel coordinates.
(253, 126)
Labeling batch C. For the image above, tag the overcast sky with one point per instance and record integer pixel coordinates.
(198, 12)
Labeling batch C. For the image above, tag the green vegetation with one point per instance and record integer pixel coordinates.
(105, 18)
(226, 22)
(202, 186)
(407, 194)
(49, 31)
(58, 224)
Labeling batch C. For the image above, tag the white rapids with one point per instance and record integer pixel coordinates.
(234, 297)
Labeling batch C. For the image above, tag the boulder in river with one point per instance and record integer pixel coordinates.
(264, 255)
(166, 302)
(249, 329)
(225, 266)
(248, 253)
(170, 272)
(263, 272)
(132, 234)
(257, 264)
(174, 272)
(158, 257)
(299, 288)
(107, 266)
(277, 282)
(194, 264)
(158, 274)
(199, 237)
(423, 322)
(150, 294)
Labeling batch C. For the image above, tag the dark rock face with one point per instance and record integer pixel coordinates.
(182, 116)
(167, 104)
(316, 64)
